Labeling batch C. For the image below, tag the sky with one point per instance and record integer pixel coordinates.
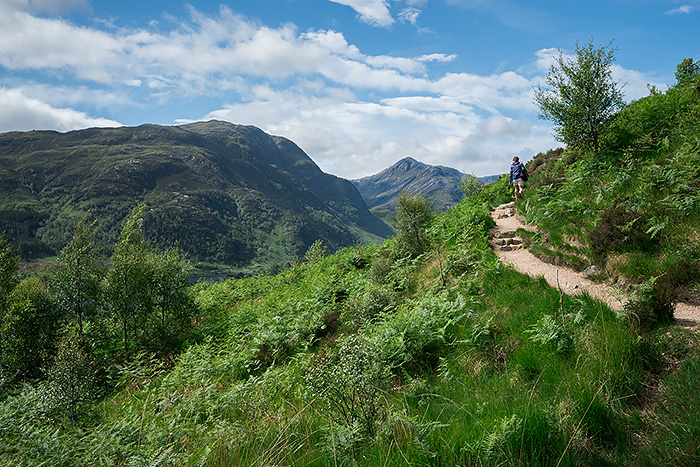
(357, 84)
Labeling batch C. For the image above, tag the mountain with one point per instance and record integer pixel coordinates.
(441, 185)
(225, 194)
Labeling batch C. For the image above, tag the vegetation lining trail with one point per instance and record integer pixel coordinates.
(567, 280)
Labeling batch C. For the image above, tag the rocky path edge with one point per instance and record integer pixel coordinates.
(508, 246)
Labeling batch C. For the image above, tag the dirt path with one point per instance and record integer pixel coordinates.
(508, 246)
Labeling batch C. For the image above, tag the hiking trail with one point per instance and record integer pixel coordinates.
(509, 248)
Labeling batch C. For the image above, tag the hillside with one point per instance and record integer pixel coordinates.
(441, 185)
(380, 355)
(225, 194)
(634, 209)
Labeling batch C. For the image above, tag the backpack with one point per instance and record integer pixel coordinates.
(523, 173)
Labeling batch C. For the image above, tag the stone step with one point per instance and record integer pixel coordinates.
(504, 213)
(509, 247)
(505, 240)
(508, 241)
(505, 234)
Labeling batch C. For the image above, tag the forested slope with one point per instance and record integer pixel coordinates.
(230, 196)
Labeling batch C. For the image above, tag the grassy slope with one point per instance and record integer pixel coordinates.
(487, 367)
(634, 210)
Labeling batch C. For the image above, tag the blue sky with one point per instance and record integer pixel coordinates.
(357, 84)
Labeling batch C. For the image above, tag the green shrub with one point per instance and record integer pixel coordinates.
(548, 331)
(351, 381)
(9, 264)
(316, 252)
(651, 304)
(71, 385)
(620, 229)
(376, 301)
(413, 214)
(28, 330)
(381, 270)
(416, 335)
(530, 440)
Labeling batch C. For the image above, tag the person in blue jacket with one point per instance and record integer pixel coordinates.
(517, 177)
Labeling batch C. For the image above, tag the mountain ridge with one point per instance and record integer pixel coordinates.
(226, 194)
(440, 184)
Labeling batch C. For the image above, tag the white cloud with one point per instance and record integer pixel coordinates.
(507, 90)
(25, 113)
(504, 127)
(77, 96)
(373, 12)
(634, 84)
(545, 58)
(29, 42)
(681, 10)
(442, 58)
(352, 137)
(409, 15)
(206, 54)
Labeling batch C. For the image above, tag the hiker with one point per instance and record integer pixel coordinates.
(518, 176)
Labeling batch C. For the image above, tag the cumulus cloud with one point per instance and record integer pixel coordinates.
(373, 12)
(312, 87)
(635, 84)
(24, 113)
(545, 58)
(442, 58)
(352, 137)
(208, 53)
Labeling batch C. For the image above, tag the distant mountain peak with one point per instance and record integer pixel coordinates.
(440, 184)
(408, 163)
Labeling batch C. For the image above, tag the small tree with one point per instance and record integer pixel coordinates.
(148, 291)
(77, 276)
(174, 306)
(128, 284)
(316, 252)
(581, 96)
(71, 384)
(412, 216)
(687, 72)
(28, 328)
(470, 185)
(351, 381)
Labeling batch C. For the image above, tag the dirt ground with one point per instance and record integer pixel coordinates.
(509, 250)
